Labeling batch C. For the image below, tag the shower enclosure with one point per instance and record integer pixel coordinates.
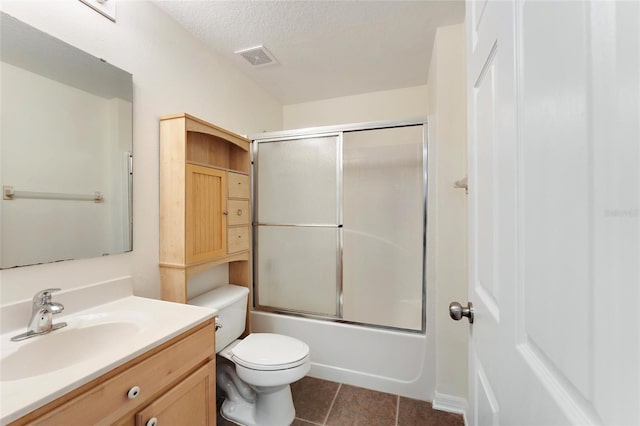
(339, 224)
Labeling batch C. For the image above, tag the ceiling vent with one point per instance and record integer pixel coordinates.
(258, 56)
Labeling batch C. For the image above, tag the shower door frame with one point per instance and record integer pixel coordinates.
(337, 131)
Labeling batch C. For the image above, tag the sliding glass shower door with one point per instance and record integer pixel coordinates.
(383, 207)
(298, 223)
(340, 225)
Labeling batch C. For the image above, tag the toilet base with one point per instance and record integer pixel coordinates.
(272, 407)
(240, 412)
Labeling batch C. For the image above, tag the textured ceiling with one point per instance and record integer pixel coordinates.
(325, 49)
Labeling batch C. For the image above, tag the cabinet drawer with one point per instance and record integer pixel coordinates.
(239, 185)
(238, 239)
(108, 401)
(238, 212)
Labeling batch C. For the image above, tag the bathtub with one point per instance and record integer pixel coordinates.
(387, 361)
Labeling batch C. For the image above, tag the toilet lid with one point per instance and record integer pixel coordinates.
(267, 351)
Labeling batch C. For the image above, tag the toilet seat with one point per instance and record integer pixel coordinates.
(269, 352)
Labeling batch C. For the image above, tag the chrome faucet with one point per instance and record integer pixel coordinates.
(42, 312)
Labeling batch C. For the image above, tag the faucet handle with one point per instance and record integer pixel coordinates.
(44, 296)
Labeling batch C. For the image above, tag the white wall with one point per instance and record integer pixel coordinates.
(399, 104)
(172, 72)
(448, 208)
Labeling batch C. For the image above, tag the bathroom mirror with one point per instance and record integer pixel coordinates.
(65, 150)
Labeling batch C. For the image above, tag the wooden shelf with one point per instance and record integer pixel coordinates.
(226, 169)
(202, 166)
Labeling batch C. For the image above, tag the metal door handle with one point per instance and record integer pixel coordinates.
(457, 311)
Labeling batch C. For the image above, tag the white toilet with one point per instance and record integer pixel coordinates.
(254, 373)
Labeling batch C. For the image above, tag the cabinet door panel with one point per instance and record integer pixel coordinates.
(191, 402)
(206, 221)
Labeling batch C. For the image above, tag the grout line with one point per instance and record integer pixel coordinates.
(397, 408)
(332, 402)
(309, 421)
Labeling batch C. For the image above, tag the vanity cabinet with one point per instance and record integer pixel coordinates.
(174, 382)
(204, 203)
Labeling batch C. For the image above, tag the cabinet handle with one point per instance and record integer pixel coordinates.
(226, 213)
(133, 392)
(239, 212)
(152, 422)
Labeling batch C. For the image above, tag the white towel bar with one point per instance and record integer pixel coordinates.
(8, 193)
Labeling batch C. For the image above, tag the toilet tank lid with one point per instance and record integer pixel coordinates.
(220, 297)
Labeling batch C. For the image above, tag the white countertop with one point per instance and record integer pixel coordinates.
(142, 325)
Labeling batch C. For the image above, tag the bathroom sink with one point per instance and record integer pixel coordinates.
(106, 327)
(81, 340)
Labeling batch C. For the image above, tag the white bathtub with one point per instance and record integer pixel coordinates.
(386, 361)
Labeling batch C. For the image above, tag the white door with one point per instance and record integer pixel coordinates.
(554, 160)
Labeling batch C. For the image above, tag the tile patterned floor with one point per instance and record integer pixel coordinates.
(322, 403)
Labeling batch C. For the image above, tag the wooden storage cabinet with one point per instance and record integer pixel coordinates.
(204, 203)
(177, 377)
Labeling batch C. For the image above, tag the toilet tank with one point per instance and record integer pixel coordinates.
(231, 302)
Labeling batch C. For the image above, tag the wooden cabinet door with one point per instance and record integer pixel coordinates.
(191, 402)
(206, 219)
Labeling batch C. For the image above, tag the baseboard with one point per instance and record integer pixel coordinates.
(451, 404)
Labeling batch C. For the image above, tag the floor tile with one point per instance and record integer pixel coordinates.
(442, 418)
(362, 407)
(312, 398)
(412, 412)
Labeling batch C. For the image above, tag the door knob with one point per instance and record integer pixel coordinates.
(457, 311)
